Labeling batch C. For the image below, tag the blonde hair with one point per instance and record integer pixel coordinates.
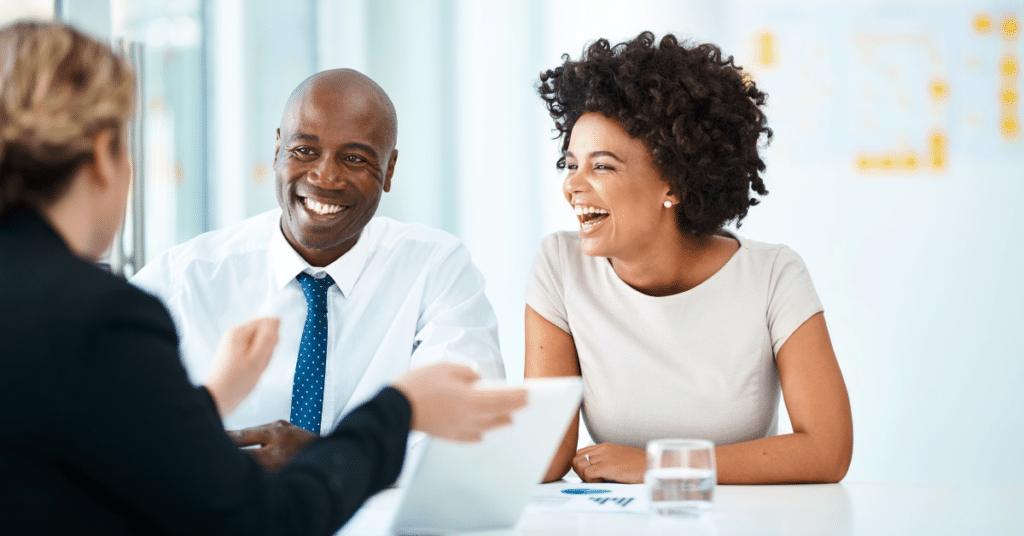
(58, 89)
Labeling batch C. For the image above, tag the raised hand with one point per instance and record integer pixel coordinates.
(242, 354)
(445, 403)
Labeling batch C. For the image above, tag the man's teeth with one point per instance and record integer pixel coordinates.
(581, 210)
(321, 208)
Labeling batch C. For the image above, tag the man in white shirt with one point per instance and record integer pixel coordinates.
(399, 295)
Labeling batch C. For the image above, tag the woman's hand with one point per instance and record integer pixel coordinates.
(609, 462)
(446, 404)
(242, 354)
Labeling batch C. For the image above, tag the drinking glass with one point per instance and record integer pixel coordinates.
(680, 476)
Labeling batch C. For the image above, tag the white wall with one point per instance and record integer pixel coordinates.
(920, 272)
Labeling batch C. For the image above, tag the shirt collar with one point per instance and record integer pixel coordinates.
(285, 262)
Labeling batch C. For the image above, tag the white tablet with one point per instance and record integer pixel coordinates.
(486, 485)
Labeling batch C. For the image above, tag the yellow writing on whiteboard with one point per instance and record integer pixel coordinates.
(1008, 66)
(937, 148)
(982, 23)
(766, 49)
(910, 161)
(902, 161)
(1010, 28)
(1011, 129)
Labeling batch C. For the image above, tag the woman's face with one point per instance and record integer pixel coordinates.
(616, 190)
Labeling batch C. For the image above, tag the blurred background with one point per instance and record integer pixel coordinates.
(896, 171)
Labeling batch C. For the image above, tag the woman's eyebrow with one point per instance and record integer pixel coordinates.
(595, 154)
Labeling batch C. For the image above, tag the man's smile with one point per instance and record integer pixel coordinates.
(322, 209)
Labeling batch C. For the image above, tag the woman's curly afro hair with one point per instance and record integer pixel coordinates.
(696, 113)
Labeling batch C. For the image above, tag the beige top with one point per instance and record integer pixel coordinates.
(698, 364)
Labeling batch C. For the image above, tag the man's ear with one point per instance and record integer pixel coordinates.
(102, 167)
(277, 147)
(391, 170)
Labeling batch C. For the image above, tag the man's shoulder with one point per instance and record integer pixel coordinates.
(396, 235)
(205, 254)
(247, 236)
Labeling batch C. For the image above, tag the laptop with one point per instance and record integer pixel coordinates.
(486, 485)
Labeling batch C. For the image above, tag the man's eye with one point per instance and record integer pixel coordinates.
(306, 151)
(355, 159)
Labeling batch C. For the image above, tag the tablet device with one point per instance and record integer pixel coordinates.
(486, 485)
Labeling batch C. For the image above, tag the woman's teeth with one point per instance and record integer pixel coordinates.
(590, 216)
(581, 210)
(321, 208)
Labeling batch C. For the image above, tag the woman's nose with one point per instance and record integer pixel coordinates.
(574, 181)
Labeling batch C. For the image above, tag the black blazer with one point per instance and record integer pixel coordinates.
(102, 433)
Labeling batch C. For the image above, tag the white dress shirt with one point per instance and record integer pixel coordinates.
(404, 296)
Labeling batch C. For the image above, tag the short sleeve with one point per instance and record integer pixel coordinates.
(545, 288)
(791, 297)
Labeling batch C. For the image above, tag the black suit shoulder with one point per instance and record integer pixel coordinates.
(102, 433)
(56, 304)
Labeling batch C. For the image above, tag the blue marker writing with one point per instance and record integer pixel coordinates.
(584, 491)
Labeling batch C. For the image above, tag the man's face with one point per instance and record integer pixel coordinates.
(335, 156)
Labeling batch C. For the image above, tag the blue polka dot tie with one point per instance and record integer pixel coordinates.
(308, 385)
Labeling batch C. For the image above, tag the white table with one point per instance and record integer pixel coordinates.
(834, 509)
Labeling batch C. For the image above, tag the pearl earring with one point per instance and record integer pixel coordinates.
(668, 204)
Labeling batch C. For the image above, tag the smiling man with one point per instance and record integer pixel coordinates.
(361, 299)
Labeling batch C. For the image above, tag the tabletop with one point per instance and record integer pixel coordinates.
(847, 508)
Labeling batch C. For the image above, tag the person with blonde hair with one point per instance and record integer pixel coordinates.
(102, 433)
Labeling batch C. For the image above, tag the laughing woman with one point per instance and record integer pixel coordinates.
(678, 327)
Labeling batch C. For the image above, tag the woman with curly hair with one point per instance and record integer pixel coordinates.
(678, 327)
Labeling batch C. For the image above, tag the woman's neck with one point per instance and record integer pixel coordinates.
(679, 263)
(71, 217)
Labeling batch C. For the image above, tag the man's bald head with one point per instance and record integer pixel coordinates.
(335, 157)
(358, 90)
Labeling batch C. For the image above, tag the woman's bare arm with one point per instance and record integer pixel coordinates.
(821, 445)
(552, 352)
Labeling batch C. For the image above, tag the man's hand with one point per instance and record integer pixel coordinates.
(445, 404)
(609, 462)
(278, 443)
(242, 354)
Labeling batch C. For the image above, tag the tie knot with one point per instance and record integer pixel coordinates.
(314, 288)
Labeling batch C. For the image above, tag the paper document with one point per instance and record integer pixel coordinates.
(589, 498)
